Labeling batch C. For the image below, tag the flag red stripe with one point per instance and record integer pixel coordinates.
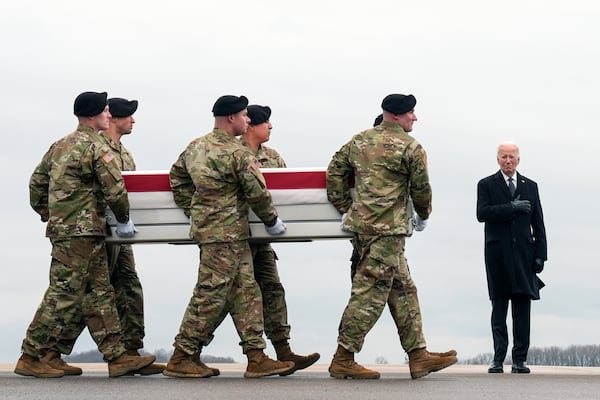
(295, 180)
(147, 183)
(275, 180)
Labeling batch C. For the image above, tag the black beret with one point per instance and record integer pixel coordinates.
(88, 104)
(378, 120)
(121, 108)
(398, 103)
(258, 114)
(228, 105)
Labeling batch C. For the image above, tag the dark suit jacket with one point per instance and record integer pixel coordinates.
(512, 240)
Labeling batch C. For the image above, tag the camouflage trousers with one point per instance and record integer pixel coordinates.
(382, 277)
(129, 294)
(79, 293)
(129, 299)
(273, 293)
(225, 285)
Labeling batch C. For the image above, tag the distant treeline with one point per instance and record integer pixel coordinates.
(572, 356)
(162, 356)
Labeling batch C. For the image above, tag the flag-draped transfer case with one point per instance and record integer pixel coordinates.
(299, 194)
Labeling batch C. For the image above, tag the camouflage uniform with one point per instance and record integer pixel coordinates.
(215, 180)
(70, 189)
(122, 273)
(123, 276)
(265, 259)
(389, 166)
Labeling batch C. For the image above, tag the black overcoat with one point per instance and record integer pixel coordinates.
(512, 240)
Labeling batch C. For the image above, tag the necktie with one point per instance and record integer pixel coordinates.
(511, 186)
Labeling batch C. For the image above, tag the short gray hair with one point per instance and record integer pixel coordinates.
(507, 143)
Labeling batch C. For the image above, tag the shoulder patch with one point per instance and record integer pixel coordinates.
(255, 164)
(108, 157)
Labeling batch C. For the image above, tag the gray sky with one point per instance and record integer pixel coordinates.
(482, 72)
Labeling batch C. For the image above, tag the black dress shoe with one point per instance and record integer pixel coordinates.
(495, 368)
(520, 368)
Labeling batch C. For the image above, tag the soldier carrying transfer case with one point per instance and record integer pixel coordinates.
(389, 166)
(121, 263)
(70, 189)
(264, 258)
(216, 180)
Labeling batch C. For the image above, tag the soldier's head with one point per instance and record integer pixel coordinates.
(231, 114)
(121, 115)
(399, 109)
(91, 109)
(259, 130)
(508, 157)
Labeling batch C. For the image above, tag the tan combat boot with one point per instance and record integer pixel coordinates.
(151, 369)
(448, 353)
(343, 366)
(421, 362)
(183, 365)
(196, 358)
(126, 363)
(52, 358)
(31, 366)
(260, 365)
(284, 353)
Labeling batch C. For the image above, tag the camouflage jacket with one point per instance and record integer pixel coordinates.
(73, 184)
(215, 180)
(123, 156)
(267, 157)
(389, 166)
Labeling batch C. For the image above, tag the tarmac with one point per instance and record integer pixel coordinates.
(463, 382)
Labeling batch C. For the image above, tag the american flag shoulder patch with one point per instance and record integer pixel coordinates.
(108, 157)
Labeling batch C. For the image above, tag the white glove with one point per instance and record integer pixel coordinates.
(412, 218)
(126, 229)
(277, 229)
(419, 224)
(342, 225)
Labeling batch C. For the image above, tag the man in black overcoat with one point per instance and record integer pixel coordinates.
(515, 251)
